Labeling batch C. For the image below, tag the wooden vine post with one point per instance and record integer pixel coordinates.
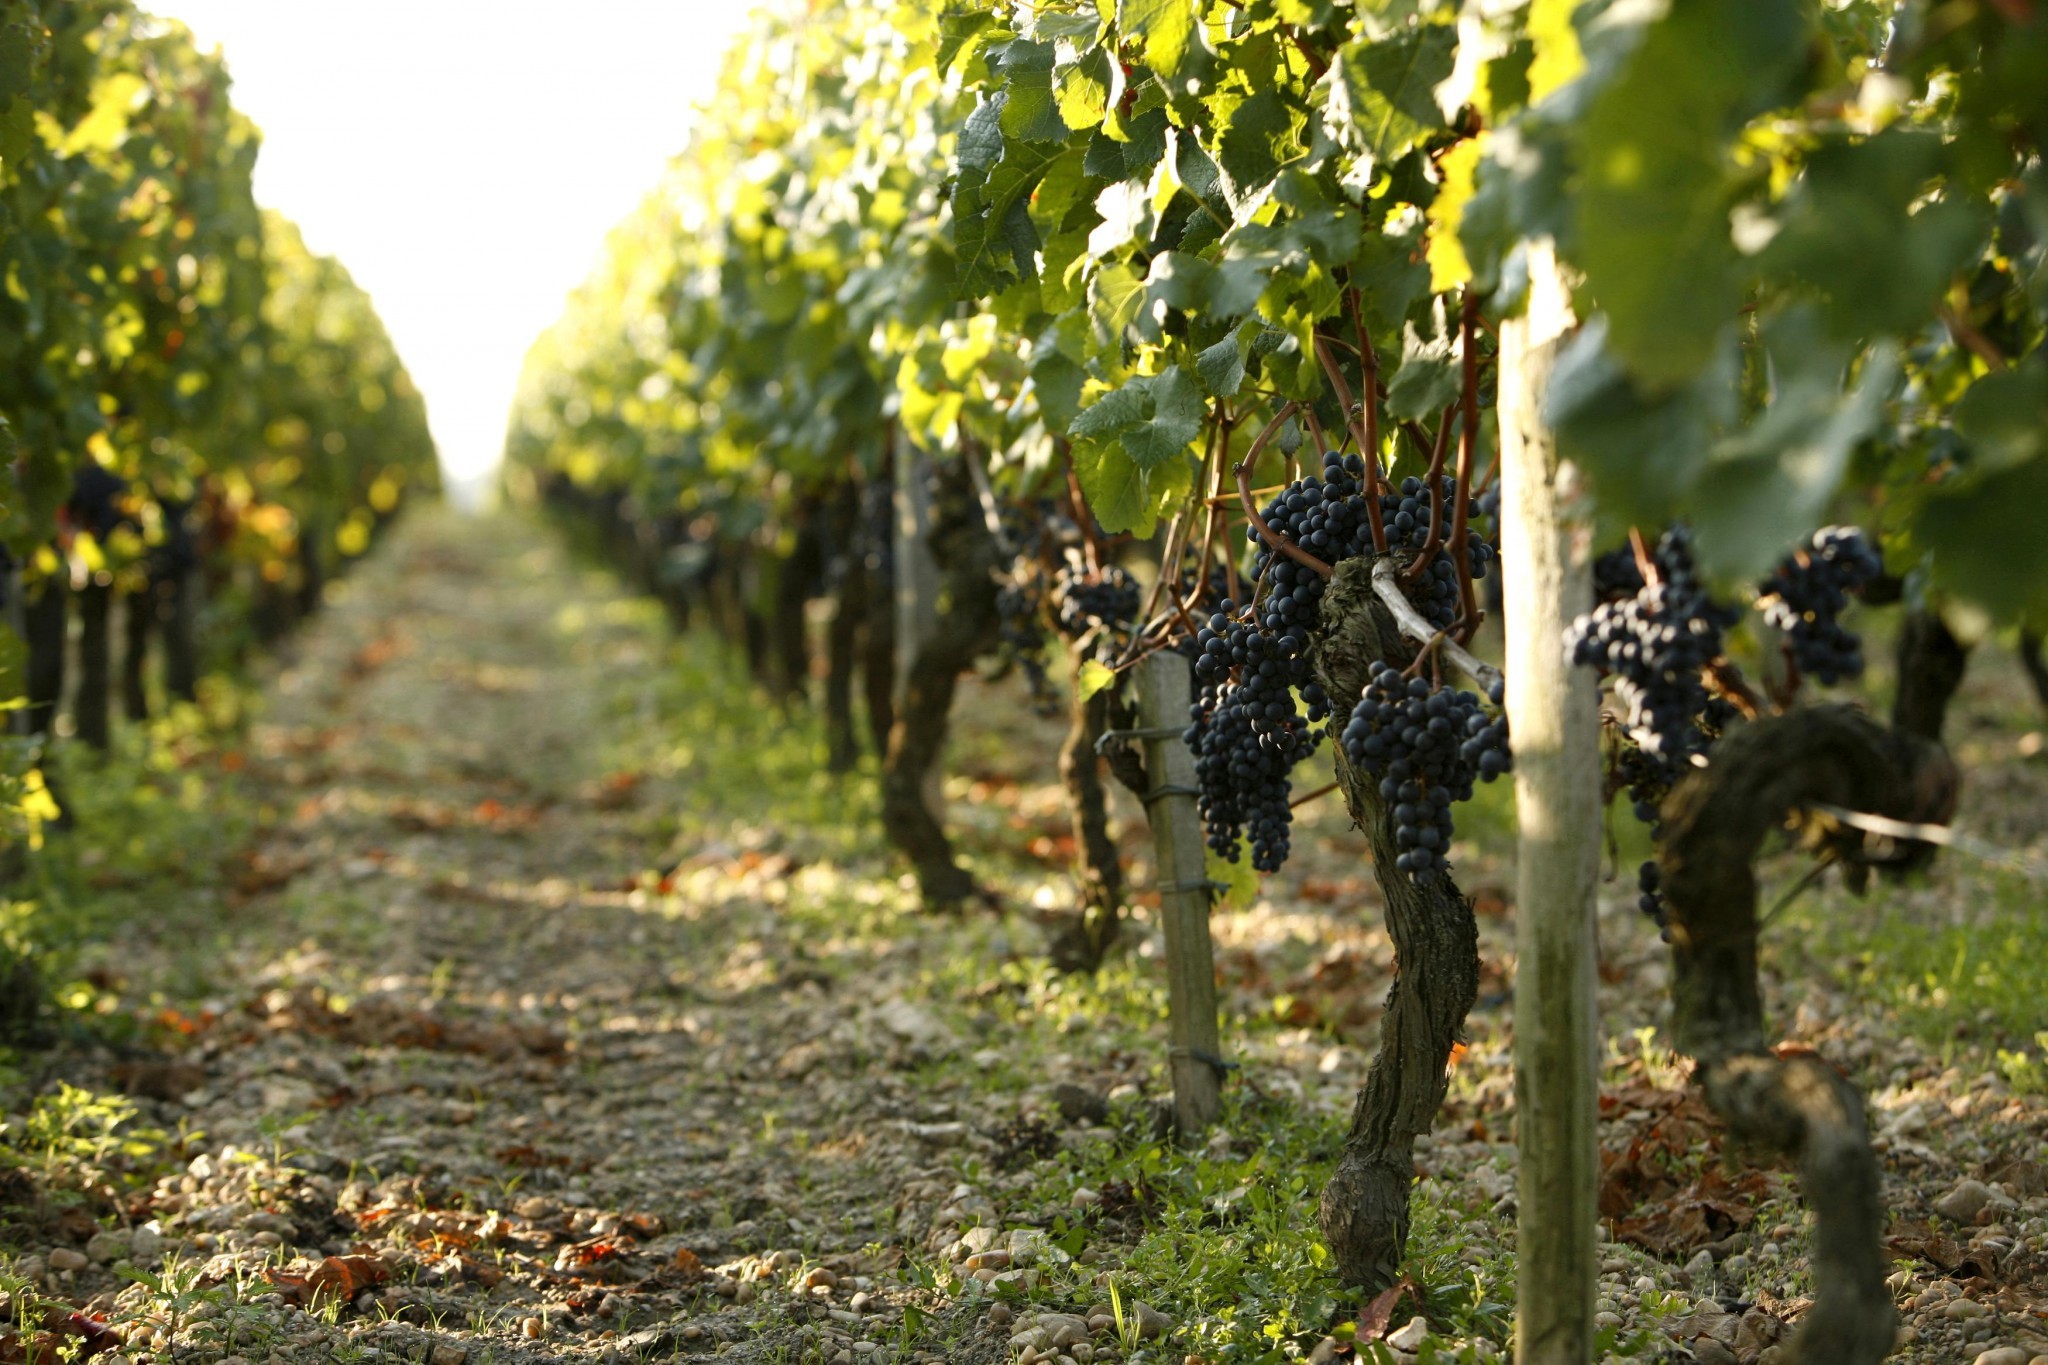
(1164, 696)
(1553, 717)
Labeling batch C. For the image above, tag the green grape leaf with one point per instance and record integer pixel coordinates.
(1154, 417)
(1166, 27)
(1123, 496)
(1384, 89)
(1092, 678)
(1427, 380)
(1652, 209)
(1221, 367)
(2004, 417)
(1030, 113)
(1086, 89)
(1855, 232)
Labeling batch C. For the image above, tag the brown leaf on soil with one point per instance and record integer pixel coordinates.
(1377, 1317)
(336, 1278)
(1707, 1210)
(1933, 1247)
(687, 1263)
(157, 1078)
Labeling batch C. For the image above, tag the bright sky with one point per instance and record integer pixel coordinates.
(464, 160)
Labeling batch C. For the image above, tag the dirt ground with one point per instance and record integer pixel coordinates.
(547, 1001)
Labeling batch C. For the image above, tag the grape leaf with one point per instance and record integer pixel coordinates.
(1385, 89)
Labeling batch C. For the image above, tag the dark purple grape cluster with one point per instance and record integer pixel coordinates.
(1807, 594)
(1407, 514)
(1427, 744)
(1021, 633)
(1108, 599)
(1248, 733)
(1616, 575)
(1654, 645)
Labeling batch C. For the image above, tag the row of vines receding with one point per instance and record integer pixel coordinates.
(1071, 337)
(202, 420)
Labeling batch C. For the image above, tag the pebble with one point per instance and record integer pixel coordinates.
(746, 1293)
(1967, 1200)
(106, 1246)
(1409, 1337)
(1707, 1351)
(1700, 1269)
(1151, 1322)
(1101, 1322)
(1961, 1310)
(859, 1302)
(2001, 1355)
(820, 1278)
(449, 1355)
(1325, 1352)
(999, 1315)
(65, 1258)
(532, 1328)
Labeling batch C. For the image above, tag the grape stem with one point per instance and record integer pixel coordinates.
(1468, 448)
(1368, 445)
(1306, 797)
(1646, 565)
(1724, 679)
(1272, 537)
(1386, 585)
(1436, 500)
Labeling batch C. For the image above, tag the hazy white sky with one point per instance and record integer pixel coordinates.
(464, 160)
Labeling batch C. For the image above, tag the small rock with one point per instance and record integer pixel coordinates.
(276, 1224)
(1085, 1198)
(999, 1315)
(820, 1278)
(997, 1259)
(693, 1333)
(1079, 1104)
(532, 1328)
(1707, 1351)
(1409, 1337)
(1699, 1271)
(536, 1207)
(1968, 1199)
(1758, 1330)
(1101, 1322)
(145, 1245)
(107, 1246)
(1962, 1310)
(859, 1302)
(1151, 1322)
(1324, 1353)
(2001, 1355)
(446, 1354)
(65, 1258)
(1083, 1352)
(746, 1293)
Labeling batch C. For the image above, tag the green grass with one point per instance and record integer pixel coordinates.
(1970, 985)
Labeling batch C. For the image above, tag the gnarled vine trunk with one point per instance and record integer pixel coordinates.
(45, 622)
(967, 556)
(1714, 824)
(138, 610)
(1931, 664)
(1085, 939)
(92, 703)
(1364, 1208)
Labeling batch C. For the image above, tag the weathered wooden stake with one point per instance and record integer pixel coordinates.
(1553, 719)
(1196, 1056)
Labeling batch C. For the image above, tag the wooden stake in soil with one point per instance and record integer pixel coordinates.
(1553, 719)
(1163, 702)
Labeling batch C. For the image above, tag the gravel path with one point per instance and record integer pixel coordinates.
(530, 1028)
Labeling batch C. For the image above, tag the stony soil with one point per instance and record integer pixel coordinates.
(555, 1011)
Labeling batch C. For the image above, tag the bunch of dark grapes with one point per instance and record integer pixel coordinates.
(1247, 734)
(1427, 744)
(1021, 632)
(1654, 645)
(1807, 594)
(1616, 575)
(1407, 514)
(1108, 599)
